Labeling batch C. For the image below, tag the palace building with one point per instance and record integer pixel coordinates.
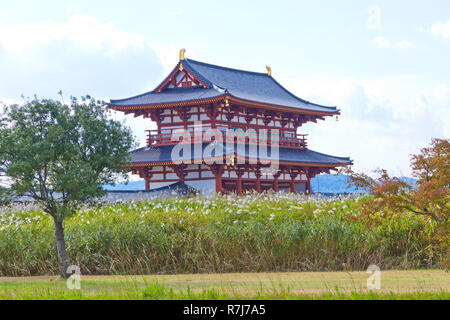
(226, 130)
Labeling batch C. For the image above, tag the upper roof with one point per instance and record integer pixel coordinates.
(220, 82)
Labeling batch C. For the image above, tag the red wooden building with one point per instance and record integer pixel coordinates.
(198, 105)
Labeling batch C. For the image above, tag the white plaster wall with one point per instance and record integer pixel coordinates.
(206, 187)
(156, 185)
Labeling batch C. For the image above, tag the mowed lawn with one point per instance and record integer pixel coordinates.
(408, 284)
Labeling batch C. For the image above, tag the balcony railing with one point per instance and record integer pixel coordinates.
(165, 138)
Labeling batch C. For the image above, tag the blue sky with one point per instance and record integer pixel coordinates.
(385, 64)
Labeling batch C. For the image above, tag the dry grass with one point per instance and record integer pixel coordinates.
(250, 285)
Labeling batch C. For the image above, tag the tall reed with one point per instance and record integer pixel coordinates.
(254, 233)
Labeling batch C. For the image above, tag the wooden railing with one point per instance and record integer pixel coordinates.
(165, 138)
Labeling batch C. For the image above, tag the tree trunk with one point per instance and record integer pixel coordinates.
(61, 248)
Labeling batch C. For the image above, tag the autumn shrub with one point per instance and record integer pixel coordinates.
(391, 198)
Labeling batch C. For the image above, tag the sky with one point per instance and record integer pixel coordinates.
(384, 64)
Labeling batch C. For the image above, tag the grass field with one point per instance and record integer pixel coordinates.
(253, 233)
(259, 246)
(395, 284)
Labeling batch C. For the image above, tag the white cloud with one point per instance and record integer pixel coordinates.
(86, 32)
(72, 9)
(403, 44)
(374, 20)
(381, 42)
(2, 17)
(441, 29)
(168, 55)
(383, 120)
(81, 55)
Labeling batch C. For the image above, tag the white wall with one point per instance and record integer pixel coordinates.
(206, 187)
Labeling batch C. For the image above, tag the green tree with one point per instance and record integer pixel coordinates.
(5, 196)
(60, 155)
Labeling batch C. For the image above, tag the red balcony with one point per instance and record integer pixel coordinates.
(165, 138)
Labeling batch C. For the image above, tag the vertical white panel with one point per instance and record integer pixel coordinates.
(192, 175)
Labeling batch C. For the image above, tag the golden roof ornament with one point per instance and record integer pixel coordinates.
(182, 51)
(269, 71)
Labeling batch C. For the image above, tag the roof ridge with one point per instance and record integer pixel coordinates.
(185, 88)
(226, 68)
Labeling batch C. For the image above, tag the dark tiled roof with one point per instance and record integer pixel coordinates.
(252, 86)
(163, 154)
(169, 96)
(309, 156)
(173, 189)
(244, 85)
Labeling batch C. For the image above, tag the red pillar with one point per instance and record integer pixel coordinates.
(218, 184)
(239, 185)
(275, 185)
(258, 180)
(309, 175)
(147, 183)
(308, 186)
(293, 186)
(294, 175)
(217, 170)
(239, 172)
(276, 176)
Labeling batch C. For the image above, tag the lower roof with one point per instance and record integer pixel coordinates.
(163, 154)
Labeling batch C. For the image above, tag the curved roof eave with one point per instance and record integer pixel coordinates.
(220, 97)
(160, 154)
(331, 112)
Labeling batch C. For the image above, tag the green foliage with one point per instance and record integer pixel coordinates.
(254, 233)
(59, 154)
(5, 196)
